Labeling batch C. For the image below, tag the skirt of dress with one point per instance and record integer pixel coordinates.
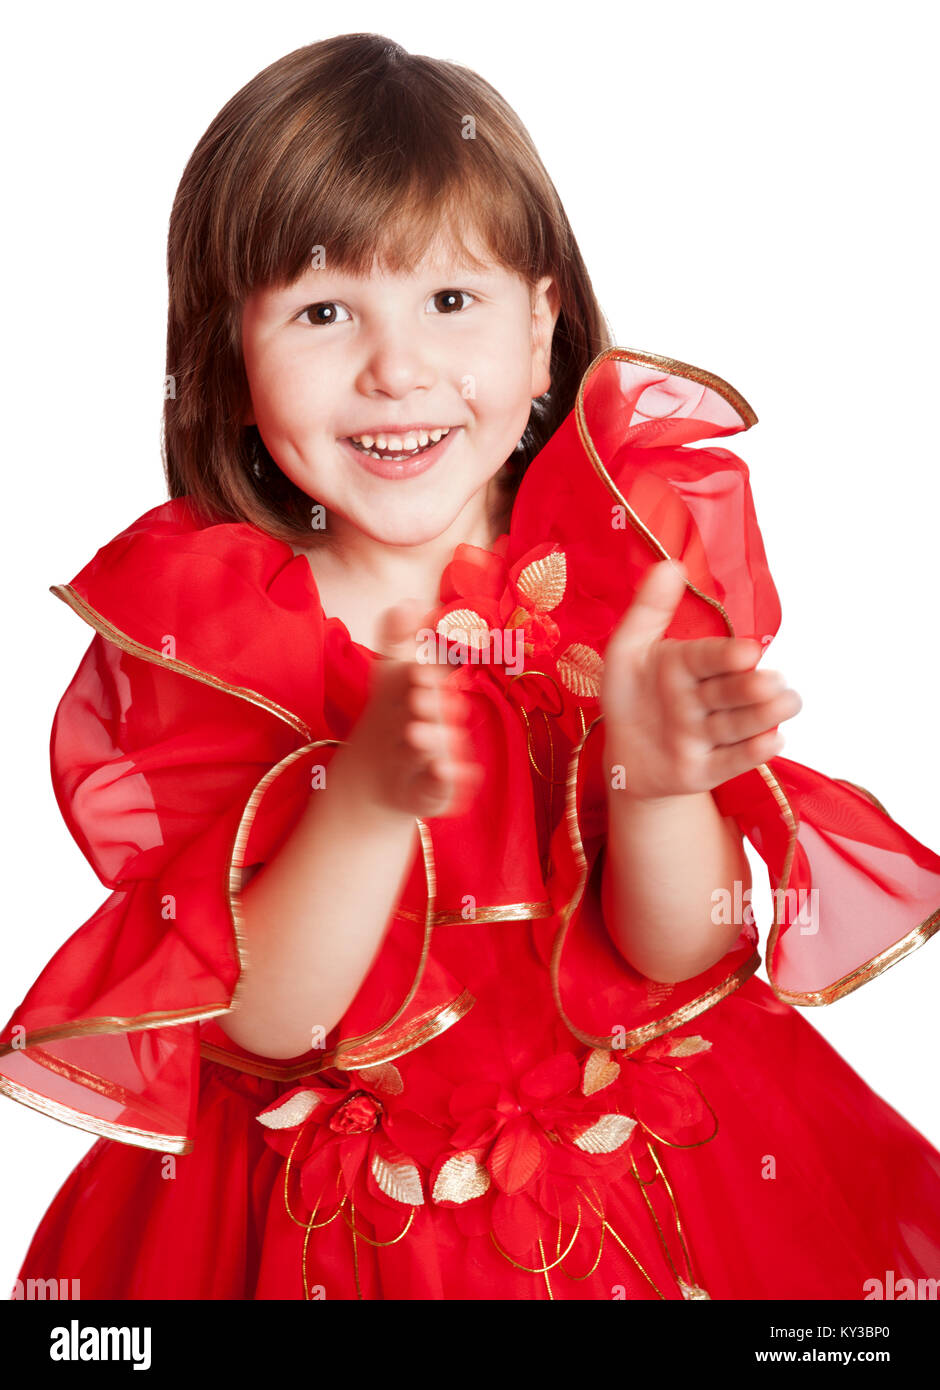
(812, 1187)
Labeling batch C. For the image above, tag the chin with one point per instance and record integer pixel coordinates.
(407, 535)
(405, 530)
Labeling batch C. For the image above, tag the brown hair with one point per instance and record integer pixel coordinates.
(358, 146)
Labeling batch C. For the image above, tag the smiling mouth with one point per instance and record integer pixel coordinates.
(395, 448)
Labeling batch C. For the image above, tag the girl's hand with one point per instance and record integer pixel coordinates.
(683, 716)
(410, 742)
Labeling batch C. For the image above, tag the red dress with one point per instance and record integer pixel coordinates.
(507, 1109)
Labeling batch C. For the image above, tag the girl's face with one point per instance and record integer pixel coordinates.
(341, 367)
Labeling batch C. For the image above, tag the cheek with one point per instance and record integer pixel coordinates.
(284, 391)
(509, 403)
(502, 384)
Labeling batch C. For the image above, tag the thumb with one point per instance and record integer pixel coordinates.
(654, 604)
(398, 628)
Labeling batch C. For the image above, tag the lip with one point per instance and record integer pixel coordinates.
(407, 468)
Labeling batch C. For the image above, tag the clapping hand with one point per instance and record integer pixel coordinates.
(684, 715)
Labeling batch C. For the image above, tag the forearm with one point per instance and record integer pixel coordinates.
(665, 858)
(314, 916)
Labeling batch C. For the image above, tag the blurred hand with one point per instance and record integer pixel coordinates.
(410, 741)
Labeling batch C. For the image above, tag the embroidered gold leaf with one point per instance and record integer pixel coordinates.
(687, 1047)
(543, 582)
(384, 1078)
(600, 1070)
(460, 1179)
(293, 1112)
(606, 1134)
(580, 669)
(465, 625)
(401, 1181)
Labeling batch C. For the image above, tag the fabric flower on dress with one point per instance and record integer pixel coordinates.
(550, 1147)
(650, 1084)
(483, 595)
(526, 1151)
(352, 1138)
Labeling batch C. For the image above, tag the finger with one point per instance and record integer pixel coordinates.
(438, 738)
(437, 700)
(427, 737)
(398, 629)
(654, 604)
(454, 772)
(428, 702)
(449, 786)
(732, 726)
(735, 691)
(714, 656)
(678, 688)
(733, 759)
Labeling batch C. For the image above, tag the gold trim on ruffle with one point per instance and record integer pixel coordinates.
(505, 912)
(128, 644)
(869, 970)
(104, 1129)
(674, 367)
(269, 1071)
(105, 1024)
(423, 1030)
(861, 974)
(679, 369)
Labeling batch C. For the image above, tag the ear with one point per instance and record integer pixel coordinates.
(546, 304)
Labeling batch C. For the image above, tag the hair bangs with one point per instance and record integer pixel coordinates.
(390, 208)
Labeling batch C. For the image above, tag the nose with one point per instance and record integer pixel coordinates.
(395, 363)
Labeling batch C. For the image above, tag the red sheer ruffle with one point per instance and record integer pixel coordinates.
(854, 892)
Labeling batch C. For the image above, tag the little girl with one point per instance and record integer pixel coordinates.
(416, 744)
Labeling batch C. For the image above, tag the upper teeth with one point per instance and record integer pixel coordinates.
(398, 443)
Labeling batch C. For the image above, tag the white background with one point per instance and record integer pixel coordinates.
(752, 188)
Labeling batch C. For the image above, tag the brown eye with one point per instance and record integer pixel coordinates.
(447, 301)
(322, 314)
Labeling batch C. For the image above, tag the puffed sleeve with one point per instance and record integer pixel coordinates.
(152, 772)
(853, 892)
